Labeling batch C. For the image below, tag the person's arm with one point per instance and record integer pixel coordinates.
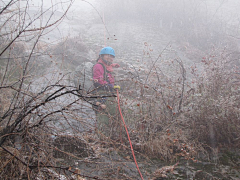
(98, 77)
(98, 74)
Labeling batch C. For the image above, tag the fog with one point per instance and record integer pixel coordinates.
(127, 25)
(134, 27)
(172, 15)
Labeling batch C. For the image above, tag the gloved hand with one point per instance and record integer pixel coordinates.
(116, 87)
(116, 65)
(108, 87)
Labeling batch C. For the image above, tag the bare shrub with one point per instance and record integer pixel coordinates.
(153, 107)
(31, 106)
(213, 109)
(199, 111)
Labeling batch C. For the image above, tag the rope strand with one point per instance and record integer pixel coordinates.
(128, 136)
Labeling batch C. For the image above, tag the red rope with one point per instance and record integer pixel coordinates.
(128, 136)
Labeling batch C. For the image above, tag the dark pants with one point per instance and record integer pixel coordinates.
(107, 119)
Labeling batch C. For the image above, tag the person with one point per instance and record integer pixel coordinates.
(104, 83)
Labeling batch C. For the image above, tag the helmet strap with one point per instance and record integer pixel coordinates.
(106, 62)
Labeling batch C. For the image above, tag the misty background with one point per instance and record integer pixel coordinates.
(141, 30)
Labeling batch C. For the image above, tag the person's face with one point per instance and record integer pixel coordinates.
(109, 58)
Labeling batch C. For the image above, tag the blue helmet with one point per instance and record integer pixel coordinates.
(107, 50)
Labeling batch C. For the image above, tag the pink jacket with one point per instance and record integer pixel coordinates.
(98, 73)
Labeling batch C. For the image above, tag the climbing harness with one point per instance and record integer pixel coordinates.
(119, 108)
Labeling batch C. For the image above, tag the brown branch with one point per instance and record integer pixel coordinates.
(155, 62)
(48, 166)
(183, 84)
(45, 27)
(14, 156)
(25, 29)
(3, 9)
